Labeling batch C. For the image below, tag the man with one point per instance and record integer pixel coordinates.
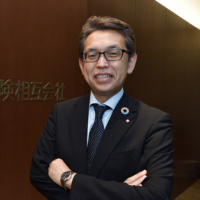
(131, 158)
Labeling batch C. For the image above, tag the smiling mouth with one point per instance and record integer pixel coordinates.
(103, 76)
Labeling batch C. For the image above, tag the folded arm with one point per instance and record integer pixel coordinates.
(156, 158)
(58, 166)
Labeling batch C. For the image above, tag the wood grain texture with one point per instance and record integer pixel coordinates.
(39, 42)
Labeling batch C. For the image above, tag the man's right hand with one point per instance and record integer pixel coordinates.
(137, 179)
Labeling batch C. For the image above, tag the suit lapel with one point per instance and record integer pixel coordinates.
(79, 121)
(115, 130)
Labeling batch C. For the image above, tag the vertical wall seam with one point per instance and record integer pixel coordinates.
(162, 106)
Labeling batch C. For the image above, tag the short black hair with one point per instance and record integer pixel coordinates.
(95, 23)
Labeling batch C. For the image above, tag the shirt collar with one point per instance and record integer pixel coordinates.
(112, 102)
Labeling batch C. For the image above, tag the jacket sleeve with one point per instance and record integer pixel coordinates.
(157, 159)
(43, 155)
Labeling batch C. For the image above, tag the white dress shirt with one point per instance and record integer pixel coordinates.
(112, 102)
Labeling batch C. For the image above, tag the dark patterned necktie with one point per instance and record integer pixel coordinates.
(95, 134)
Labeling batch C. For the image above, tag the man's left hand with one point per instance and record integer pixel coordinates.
(137, 179)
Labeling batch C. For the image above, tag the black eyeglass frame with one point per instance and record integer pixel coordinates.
(123, 51)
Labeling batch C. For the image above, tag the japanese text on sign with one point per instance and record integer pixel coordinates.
(31, 91)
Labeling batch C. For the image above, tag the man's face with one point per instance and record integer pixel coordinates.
(106, 78)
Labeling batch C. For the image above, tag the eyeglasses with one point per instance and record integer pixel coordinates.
(110, 55)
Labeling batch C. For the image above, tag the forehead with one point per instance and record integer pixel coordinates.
(103, 40)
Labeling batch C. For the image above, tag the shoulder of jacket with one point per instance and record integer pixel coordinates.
(71, 102)
(149, 111)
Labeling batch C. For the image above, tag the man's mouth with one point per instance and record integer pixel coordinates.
(103, 76)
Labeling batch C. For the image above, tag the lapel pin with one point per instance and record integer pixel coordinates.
(127, 121)
(125, 110)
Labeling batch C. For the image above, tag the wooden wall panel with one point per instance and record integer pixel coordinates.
(192, 89)
(174, 71)
(181, 97)
(39, 43)
(123, 9)
(146, 81)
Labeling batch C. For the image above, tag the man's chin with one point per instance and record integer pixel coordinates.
(105, 92)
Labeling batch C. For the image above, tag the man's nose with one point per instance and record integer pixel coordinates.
(102, 62)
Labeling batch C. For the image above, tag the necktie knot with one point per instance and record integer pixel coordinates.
(99, 110)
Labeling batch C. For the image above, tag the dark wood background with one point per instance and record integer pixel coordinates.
(39, 43)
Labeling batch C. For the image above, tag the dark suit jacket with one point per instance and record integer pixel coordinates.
(146, 142)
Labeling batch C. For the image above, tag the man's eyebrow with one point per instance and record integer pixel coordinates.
(90, 49)
(107, 48)
(112, 47)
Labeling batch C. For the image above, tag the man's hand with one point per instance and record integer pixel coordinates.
(56, 168)
(136, 179)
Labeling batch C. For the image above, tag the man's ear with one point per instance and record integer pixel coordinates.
(132, 63)
(81, 65)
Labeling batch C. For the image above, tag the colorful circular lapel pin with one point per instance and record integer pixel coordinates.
(125, 110)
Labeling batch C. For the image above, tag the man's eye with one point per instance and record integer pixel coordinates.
(91, 55)
(113, 53)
